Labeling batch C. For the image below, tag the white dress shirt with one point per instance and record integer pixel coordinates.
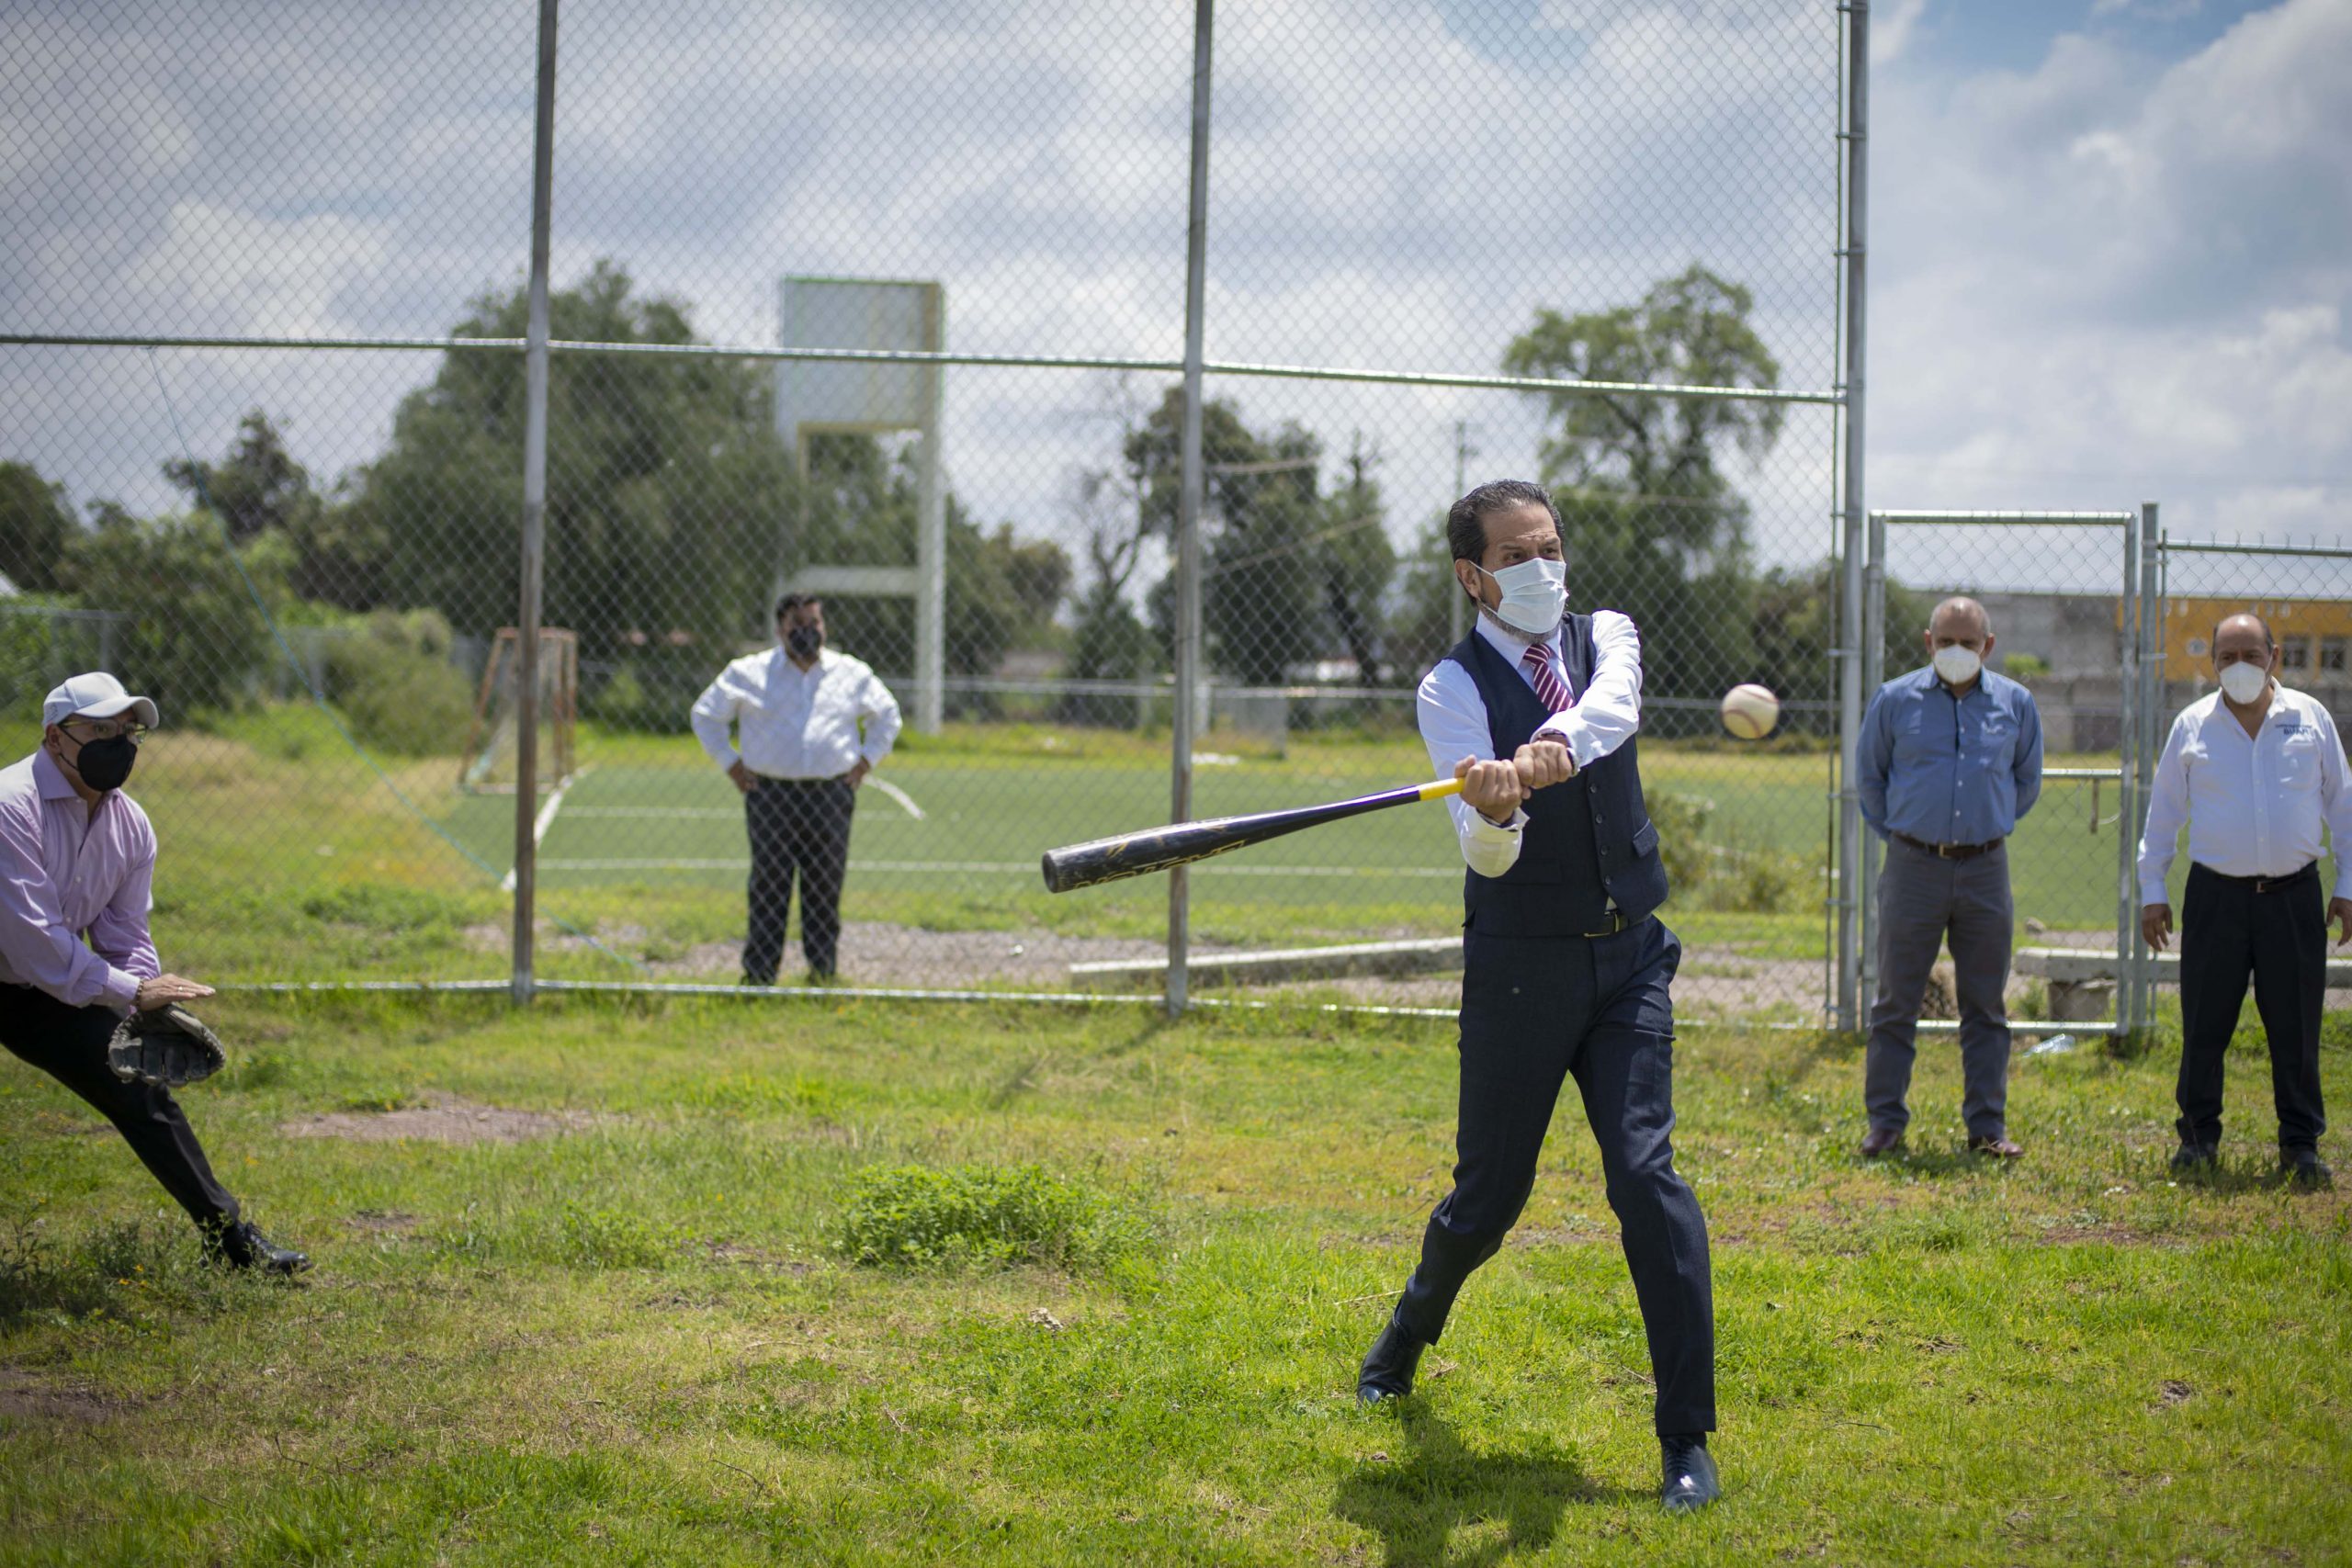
(1453, 720)
(796, 723)
(2255, 804)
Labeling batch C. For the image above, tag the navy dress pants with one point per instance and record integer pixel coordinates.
(1536, 1011)
(799, 828)
(69, 1044)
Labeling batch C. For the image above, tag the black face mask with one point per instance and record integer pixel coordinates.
(802, 642)
(105, 765)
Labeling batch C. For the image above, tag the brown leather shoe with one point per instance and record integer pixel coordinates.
(1879, 1140)
(1997, 1144)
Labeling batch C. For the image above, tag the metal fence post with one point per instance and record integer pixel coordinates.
(1873, 665)
(2131, 718)
(1850, 693)
(2142, 968)
(534, 510)
(1187, 507)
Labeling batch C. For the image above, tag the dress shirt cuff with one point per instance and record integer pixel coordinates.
(2153, 893)
(121, 988)
(1488, 832)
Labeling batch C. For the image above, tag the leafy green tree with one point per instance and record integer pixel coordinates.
(670, 494)
(194, 638)
(1262, 607)
(1651, 523)
(36, 523)
(259, 488)
(1357, 561)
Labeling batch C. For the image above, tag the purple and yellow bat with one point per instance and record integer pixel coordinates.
(1180, 843)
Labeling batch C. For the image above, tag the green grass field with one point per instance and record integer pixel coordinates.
(629, 1338)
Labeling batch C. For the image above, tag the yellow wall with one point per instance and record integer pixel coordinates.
(2315, 635)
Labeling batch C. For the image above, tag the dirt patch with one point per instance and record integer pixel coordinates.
(442, 1119)
(382, 1221)
(24, 1397)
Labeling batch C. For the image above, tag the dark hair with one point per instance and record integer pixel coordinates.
(2269, 638)
(1465, 520)
(792, 601)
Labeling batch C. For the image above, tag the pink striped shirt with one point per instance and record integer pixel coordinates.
(68, 872)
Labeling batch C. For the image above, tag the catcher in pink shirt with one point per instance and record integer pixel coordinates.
(77, 864)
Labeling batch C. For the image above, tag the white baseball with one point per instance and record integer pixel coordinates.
(1750, 711)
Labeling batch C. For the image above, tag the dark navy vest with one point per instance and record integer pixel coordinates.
(1588, 844)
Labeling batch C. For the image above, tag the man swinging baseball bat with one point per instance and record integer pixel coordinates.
(1566, 968)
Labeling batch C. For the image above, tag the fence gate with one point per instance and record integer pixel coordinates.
(2065, 592)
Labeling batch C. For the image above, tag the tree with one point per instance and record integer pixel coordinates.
(36, 525)
(1261, 609)
(1357, 561)
(192, 636)
(670, 494)
(257, 487)
(1651, 524)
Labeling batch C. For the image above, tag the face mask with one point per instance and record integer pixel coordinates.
(105, 765)
(1957, 665)
(2243, 683)
(1535, 595)
(802, 642)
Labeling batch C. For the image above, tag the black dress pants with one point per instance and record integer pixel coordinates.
(2279, 937)
(798, 827)
(69, 1044)
(1536, 1011)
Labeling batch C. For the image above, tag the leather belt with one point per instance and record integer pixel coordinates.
(2268, 883)
(1618, 922)
(1949, 851)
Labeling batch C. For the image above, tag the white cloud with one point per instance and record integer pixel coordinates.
(1891, 30)
(2106, 280)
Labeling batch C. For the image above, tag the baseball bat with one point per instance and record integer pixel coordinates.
(1180, 843)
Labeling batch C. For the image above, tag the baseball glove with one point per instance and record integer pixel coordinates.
(167, 1046)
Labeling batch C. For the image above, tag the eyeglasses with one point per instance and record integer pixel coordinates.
(109, 728)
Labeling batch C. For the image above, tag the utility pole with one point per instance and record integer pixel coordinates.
(1458, 621)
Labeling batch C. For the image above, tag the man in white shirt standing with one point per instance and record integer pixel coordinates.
(1566, 968)
(2256, 770)
(812, 723)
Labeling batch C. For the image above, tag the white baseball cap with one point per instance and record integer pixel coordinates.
(96, 696)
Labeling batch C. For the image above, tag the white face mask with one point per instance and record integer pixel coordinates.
(1957, 665)
(1535, 595)
(2243, 683)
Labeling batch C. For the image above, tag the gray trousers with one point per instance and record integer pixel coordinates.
(1922, 899)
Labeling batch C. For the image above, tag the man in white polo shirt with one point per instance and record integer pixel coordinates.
(2257, 771)
(812, 723)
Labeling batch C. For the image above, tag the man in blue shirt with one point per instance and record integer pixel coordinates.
(1950, 757)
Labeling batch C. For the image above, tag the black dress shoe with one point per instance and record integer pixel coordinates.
(1691, 1480)
(2306, 1169)
(1389, 1370)
(242, 1245)
(2194, 1159)
(1879, 1140)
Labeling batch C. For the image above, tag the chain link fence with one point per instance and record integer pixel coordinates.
(889, 307)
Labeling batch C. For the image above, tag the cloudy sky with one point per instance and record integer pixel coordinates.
(2111, 242)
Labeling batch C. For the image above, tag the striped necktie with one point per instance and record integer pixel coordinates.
(1547, 682)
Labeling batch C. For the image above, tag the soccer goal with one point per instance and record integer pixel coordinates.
(495, 744)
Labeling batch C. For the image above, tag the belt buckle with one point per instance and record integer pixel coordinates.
(1617, 923)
